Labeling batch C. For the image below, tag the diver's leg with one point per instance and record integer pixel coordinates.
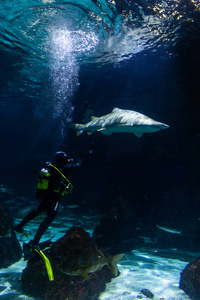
(51, 213)
(42, 206)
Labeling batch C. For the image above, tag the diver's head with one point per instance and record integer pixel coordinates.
(62, 158)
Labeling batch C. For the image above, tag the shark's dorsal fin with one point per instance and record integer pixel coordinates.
(115, 109)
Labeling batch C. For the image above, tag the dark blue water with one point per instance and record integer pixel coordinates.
(63, 61)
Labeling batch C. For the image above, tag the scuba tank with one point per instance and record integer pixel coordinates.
(44, 179)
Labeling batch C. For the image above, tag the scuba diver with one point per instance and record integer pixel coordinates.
(52, 185)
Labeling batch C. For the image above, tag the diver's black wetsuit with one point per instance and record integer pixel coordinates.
(50, 199)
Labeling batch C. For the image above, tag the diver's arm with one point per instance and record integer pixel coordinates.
(81, 163)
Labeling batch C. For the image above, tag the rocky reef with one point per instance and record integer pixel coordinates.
(74, 251)
(190, 279)
(10, 250)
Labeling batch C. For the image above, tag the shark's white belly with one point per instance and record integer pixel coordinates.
(137, 130)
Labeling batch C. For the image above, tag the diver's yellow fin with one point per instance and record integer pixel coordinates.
(47, 264)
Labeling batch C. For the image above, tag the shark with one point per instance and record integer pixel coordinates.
(169, 229)
(120, 121)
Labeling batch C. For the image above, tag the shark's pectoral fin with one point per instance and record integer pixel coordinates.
(79, 132)
(138, 134)
(104, 131)
(89, 132)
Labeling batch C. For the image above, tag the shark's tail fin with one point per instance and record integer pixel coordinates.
(113, 263)
(77, 127)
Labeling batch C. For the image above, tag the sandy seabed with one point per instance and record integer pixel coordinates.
(141, 271)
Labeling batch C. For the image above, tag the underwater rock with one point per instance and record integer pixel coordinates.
(73, 244)
(147, 293)
(190, 279)
(10, 250)
(117, 230)
(108, 232)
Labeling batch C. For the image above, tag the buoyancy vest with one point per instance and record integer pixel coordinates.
(64, 183)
